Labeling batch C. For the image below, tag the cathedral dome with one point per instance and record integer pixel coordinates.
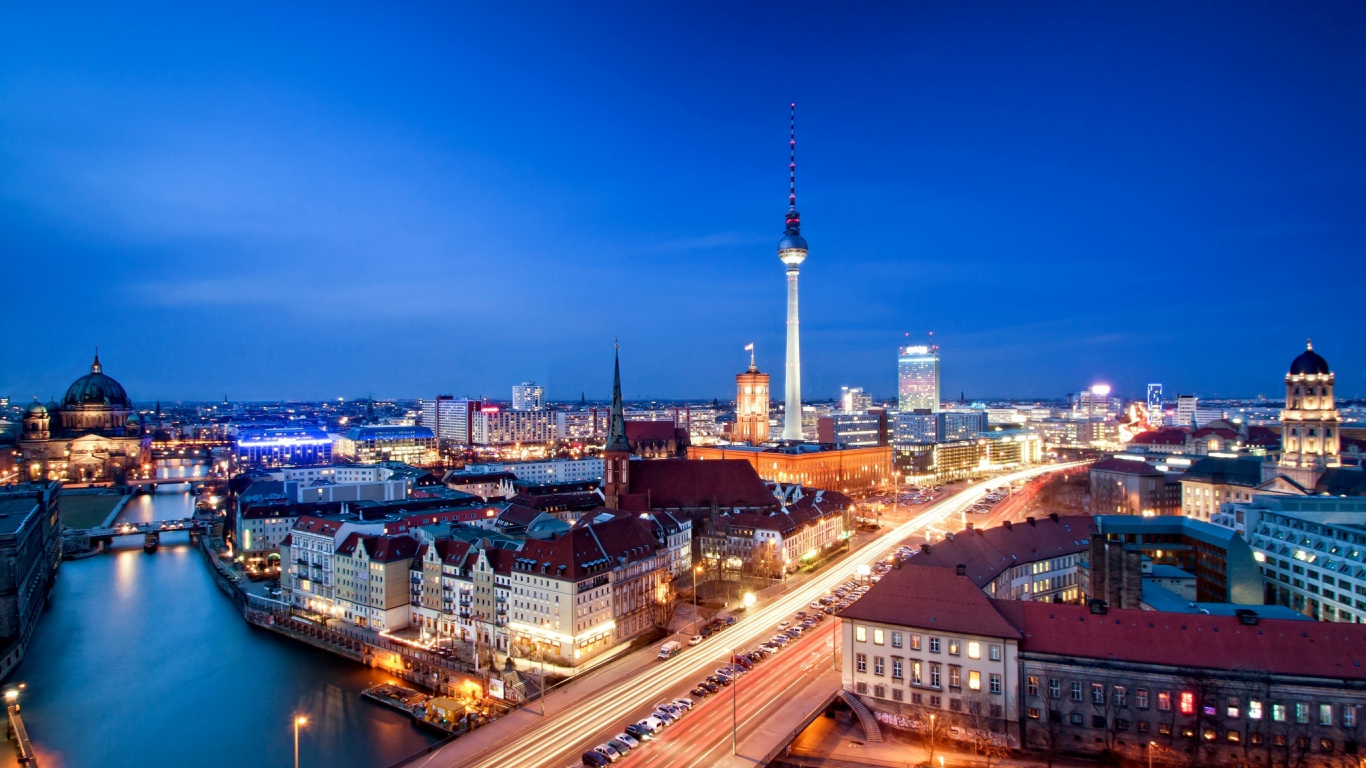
(95, 388)
(1309, 363)
(35, 408)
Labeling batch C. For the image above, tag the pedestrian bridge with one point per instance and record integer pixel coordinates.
(89, 540)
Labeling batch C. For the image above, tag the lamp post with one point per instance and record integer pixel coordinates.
(298, 722)
(1151, 744)
(695, 571)
(734, 709)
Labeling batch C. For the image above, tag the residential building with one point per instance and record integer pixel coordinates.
(918, 378)
(449, 418)
(1213, 481)
(855, 400)
(1224, 567)
(528, 396)
(372, 580)
(1033, 560)
(853, 430)
(485, 485)
(1122, 486)
(809, 526)
(920, 427)
(492, 425)
(307, 573)
(1091, 679)
(30, 553)
(1097, 403)
(544, 471)
(960, 425)
(1310, 549)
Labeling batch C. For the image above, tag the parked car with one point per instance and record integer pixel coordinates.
(630, 741)
(684, 703)
(639, 732)
(620, 746)
(730, 620)
(709, 686)
(695, 640)
(664, 716)
(784, 624)
(608, 752)
(595, 759)
(700, 692)
(652, 724)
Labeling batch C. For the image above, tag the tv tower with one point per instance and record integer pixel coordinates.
(792, 252)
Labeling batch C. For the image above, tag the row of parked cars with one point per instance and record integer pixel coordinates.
(637, 733)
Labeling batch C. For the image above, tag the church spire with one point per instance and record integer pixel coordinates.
(95, 367)
(616, 435)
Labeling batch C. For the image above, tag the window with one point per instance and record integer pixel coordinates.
(936, 702)
(861, 661)
(934, 645)
(955, 676)
(1232, 709)
(1121, 696)
(995, 683)
(1097, 693)
(898, 694)
(861, 687)
(974, 680)
(1141, 726)
(953, 647)
(1325, 714)
(915, 672)
(1234, 737)
(974, 650)
(1326, 745)
(934, 675)
(1209, 734)
(1076, 718)
(1254, 710)
(1076, 691)
(1141, 698)
(1032, 686)
(1254, 737)
(878, 665)
(877, 637)
(861, 634)
(994, 652)
(1278, 713)
(1187, 702)
(1301, 712)
(1164, 701)
(1054, 688)
(915, 642)
(1164, 728)
(1033, 713)
(880, 691)
(896, 668)
(1349, 717)
(896, 639)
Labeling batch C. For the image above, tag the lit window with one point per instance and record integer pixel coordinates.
(877, 637)
(1278, 713)
(1187, 703)
(974, 650)
(861, 634)
(1254, 710)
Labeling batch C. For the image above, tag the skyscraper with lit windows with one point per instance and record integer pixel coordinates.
(917, 372)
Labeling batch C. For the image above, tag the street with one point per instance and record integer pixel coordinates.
(590, 718)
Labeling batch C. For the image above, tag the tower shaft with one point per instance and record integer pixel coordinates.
(792, 409)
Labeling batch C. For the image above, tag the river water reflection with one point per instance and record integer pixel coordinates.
(141, 661)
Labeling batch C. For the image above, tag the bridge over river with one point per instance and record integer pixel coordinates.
(90, 540)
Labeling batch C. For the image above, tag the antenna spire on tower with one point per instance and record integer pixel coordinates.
(792, 161)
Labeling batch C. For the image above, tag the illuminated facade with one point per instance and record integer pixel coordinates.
(280, 446)
(528, 396)
(852, 471)
(1155, 405)
(371, 445)
(1310, 423)
(751, 406)
(92, 435)
(917, 373)
(491, 425)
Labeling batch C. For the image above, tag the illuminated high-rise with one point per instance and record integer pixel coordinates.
(917, 373)
(1155, 405)
(751, 405)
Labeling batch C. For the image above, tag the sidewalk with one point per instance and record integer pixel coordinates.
(771, 730)
(830, 743)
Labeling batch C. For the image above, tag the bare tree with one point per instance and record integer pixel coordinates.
(663, 606)
(931, 727)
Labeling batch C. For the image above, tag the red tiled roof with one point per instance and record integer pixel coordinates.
(1224, 432)
(385, 549)
(696, 483)
(575, 501)
(1126, 466)
(584, 550)
(930, 598)
(989, 551)
(1265, 437)
(1316, 649)
(1164, 436)
(650, 430)
(516, 514)
(317, 525)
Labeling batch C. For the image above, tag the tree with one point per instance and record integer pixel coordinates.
(931, 725)
(663, 606)
(981, 722)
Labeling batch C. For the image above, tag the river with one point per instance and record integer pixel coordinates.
(141, 661)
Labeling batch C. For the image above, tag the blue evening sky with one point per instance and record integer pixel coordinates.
(286, 201)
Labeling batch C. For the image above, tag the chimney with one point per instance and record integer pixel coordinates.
(925, 548)
(961, 569)
(969, 526)
(1029, 520)
(1053, 516)
(1246, 616)
(1006, 523)
(1099, 607)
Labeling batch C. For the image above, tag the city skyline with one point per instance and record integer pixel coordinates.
(289, 220)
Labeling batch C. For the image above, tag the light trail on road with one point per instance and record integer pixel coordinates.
(564, 736)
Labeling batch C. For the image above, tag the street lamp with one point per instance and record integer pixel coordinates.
(1151, 744)
(734, 709)
(696, 571)
(298, 723)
